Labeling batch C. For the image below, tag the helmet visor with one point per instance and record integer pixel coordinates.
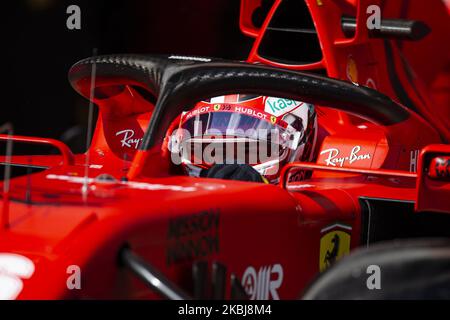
(253, 137)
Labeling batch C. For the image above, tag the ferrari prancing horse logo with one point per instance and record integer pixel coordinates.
(334, 245)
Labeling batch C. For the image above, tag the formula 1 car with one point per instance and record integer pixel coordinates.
(120, 222)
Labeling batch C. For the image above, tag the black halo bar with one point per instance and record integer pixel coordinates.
(152, 277)
(179, 82)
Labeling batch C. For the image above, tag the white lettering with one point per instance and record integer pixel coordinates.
(74, 280)
(333, 159)
(74, 20)
(264, 284)
(127, 140)
(374, 280)
(374, 20)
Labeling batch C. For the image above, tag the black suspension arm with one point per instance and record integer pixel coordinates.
(153, 278)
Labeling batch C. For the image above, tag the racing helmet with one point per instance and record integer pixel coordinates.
(264, 132)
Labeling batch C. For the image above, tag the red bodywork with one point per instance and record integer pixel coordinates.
(274, 238)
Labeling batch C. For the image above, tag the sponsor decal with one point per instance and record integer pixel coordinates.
(13, 268)
(128, 140)
(193, 236)
(298, 175)
(413, 160)
(280, 106)
(263, 115)
(334, 159)
(263, 284)
(334, 244)
(251, 112)
(197, 111)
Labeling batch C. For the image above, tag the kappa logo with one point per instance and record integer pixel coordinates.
(128, 140)
(334, 244)
(279, 106)
(333, 159)
(264, 284)
(13, 268)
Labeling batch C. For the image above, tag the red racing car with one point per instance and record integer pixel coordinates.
(215, 179)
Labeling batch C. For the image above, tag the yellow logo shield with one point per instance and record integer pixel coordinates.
(333, 246)
(273, 119)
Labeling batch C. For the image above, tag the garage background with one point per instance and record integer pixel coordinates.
(38, 51)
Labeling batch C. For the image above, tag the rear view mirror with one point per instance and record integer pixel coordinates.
(439, 168)
(433, 180)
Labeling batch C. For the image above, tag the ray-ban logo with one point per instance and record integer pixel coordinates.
(334, 159)
(128, 139)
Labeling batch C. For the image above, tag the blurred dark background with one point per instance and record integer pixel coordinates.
(38, 50)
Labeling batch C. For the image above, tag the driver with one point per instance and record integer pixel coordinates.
(243, 137)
